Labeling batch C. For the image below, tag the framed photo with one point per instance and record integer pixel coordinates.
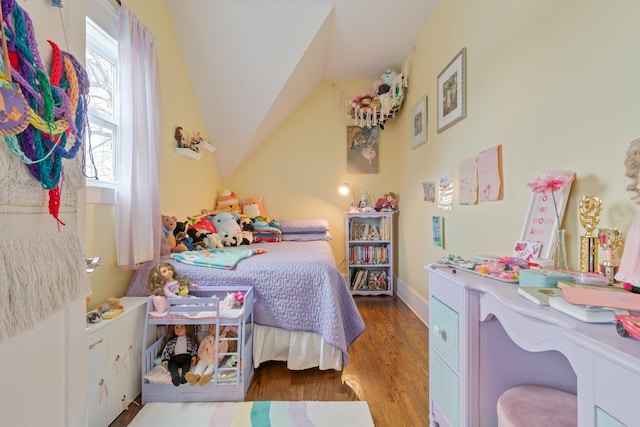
(452, 92)
(540, 224)
(419, 123)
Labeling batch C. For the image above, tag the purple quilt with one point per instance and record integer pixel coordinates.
(296, 285)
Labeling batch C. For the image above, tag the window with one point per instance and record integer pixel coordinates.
(102, 70)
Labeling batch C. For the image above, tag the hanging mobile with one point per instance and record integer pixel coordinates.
(13, 105)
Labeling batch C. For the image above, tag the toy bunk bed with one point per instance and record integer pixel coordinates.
(231, 378)
(304, 313)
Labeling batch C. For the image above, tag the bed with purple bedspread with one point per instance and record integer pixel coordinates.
(297, 287)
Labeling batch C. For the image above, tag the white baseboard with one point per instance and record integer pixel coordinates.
(416, 303)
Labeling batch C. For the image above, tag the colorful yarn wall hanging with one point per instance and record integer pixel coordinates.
(57, 103)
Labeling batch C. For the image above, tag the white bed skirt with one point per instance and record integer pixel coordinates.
(301, 350)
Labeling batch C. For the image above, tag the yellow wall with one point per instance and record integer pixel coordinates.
(186, 185)
(555, 83)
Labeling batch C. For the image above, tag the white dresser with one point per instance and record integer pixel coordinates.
(485, 338)
(114, 360)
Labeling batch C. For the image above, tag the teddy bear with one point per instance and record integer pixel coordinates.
(169, 224)
(228, 229)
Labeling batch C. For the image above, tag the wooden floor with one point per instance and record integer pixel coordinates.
(388, 368)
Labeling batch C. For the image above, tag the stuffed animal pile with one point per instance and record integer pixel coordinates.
(227, 229)
(169, 224)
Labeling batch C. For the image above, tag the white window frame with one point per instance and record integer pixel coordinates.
(105, 45)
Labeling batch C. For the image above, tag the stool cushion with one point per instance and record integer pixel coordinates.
(534, 405)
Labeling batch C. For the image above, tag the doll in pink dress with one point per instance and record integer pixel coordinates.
(164, 280)
(629, 269)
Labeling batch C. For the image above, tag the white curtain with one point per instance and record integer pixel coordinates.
(138, 222)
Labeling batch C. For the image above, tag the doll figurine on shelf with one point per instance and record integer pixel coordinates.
(629, 269)
(164, 280)
(180, 352)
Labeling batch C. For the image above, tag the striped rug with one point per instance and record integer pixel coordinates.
(255, 414)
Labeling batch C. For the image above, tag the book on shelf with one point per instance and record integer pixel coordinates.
(360, 279)
(539, 295)
(377, 280)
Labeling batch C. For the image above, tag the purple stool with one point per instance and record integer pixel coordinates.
(534, 405)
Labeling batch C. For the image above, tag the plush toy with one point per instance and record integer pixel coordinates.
(228, 202)
(207, 363)
(169, 224)
(246, 225)
(197, 238)
(213, 241)
(253, 207)
(164, 280)
(228, 229)
(179, 364)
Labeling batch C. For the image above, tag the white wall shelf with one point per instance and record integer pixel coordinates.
(187, 152)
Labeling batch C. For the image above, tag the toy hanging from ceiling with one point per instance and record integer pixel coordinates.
(49, 125)
(380, 102)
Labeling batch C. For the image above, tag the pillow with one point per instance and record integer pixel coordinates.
(304, 225)
(305, 237)
(160, 303)
(204, 225)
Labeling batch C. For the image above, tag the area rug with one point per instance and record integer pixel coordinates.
(255, 414)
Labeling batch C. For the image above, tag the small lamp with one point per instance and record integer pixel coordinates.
(345, 189)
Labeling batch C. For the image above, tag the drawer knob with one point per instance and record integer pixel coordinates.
(438, 331)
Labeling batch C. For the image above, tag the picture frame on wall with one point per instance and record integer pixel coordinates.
(452, 92)
(419, 123)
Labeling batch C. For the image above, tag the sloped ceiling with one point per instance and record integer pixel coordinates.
(251, 63)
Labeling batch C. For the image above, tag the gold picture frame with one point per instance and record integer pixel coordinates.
(452, 92)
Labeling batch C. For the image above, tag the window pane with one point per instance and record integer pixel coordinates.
(102, 145)
(102, 77)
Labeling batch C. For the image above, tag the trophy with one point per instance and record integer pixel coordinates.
(610, 240)
(589, 209)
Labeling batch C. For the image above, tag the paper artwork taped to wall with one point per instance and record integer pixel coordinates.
(429, 191)
(490, 174)
(362, 149)
(468, 182)
(445, 191)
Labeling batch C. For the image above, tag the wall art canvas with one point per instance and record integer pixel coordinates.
(362, 149)
(438, 231)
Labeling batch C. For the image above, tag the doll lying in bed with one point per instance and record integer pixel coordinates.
(203, 371)
(180, 352)
(164, 280)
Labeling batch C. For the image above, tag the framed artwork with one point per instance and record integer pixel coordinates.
(438, 231)
(452, 92)
(362, 149)
(541, 224)
(419, 123)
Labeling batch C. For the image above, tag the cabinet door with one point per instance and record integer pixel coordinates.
(97, 378)
(124, 360)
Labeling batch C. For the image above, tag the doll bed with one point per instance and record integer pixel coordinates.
(304, 313)
(231, 378)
